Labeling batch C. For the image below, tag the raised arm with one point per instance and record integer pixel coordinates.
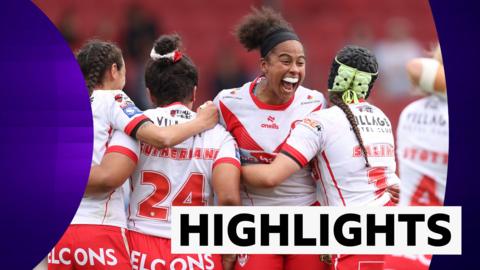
(428, 74)
(161, 137)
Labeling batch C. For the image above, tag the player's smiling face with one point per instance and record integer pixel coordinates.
(284, 69)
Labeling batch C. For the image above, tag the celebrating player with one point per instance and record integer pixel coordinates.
(422, 140)
(422, 136)
(351, 146)
(101, 219)
(260, 114)
(181, 175)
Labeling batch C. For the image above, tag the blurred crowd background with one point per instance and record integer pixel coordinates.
(394, 30)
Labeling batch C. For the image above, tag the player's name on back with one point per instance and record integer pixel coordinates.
(180, 153)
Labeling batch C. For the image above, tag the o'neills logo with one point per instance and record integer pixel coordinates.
(271, 124)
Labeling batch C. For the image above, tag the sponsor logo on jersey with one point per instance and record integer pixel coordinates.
(313, 124)
(373, 123)
(372, 120)
(262, 157)
(375, 150)
(310, 100)
(424, 155)
(179, 113)
(83, 257)
(163, 121)
(118, 98)
(271, 124)
(365, 108)
(188, 262)
(427, 119)
(130, 109)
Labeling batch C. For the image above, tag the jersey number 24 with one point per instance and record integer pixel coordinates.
(190, 194)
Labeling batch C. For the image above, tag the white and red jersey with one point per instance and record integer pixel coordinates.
(422, 140)
(176, 176)
(338, 163)
(260, 130)
(112, 110)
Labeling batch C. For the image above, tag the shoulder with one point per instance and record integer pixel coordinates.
(165, 116)
(233, 95)
(309, 94)
(218, 131)
(114, 95)
(372, 109)
(326, 114)
(322, 117)
(415, 106)
(109, 98)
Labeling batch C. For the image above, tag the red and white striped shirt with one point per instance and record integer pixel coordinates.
(175, 176)
(327, 138)
(260, 130)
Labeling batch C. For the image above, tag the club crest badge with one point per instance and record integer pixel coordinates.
(242, 259)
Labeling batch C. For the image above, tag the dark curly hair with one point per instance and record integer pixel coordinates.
(363, 60)
(256, 26)
(167, 81)
(95, 58)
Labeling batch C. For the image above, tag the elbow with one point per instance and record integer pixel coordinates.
(271, 181)
(229, 200)
(108, 183)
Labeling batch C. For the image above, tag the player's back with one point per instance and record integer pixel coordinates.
(340, 166)
(422, 140)
(111, 110)
(176, 176)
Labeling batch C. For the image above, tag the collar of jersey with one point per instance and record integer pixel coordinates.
(176, 103)
(265, 106)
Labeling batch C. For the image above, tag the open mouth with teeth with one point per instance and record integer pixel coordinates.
(290, 84)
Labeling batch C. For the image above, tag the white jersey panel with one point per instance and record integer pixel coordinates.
(179, 175)
(260, 130)
(422, 140)
(112, 110)
(338, 164)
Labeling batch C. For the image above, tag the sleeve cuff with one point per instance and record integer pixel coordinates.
(132, 127)
(123, 150)
(228, 160)
(295, 155)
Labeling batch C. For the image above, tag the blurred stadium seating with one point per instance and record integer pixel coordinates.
(206, 26)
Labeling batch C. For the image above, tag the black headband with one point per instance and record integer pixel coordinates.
(275, 38)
